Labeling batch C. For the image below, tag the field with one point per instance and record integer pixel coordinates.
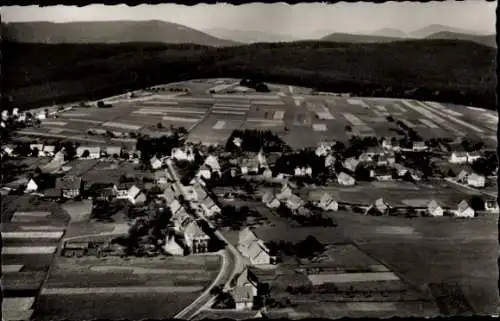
(396, 193)
(163, 286)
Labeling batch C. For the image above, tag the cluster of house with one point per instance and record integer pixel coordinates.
(287, 198)
(68, 187)
(471, 179)
(462, 157)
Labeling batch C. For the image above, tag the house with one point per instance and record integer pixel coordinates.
(155, 163)
(270, 200)
(70, 186)
(171, 246)
(386, 159)
(328, 203)
(204, 172)
(182, 154)
(48, 150)
(169, 193)
(200, 192)
(400, 169)
(472, 157)
(7, 150)
(248, 278)
(31, 187)
(464, 210)
(212, 162)
(59, 156)
(303, 171)
(475, 180)
(111, 151)
(249, 166)
(365, 158)
(462, 176)
(253, 248)
(209, 207)
(243, 297)
(196, 240)
(322, 150)
(329, 161)
(268, 173)
(434, 209)
(94, 152)
(262, 160)
(39, 148)
(160, 177)
(174, 207)
(344, 179)
(286, 191)
(491, 206)
(380, 206)
(180, 219)
(458, 158)
(350, 164)
(75, 249)
(383, 174)
(136, 196)
(418, 146)
(294, 202)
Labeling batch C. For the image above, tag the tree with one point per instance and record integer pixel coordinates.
(390, 118)
(159, 125)
(85, 153)
(362, 173)
(476, 203)
(348, 128)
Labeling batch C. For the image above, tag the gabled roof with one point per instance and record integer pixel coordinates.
(200, 191)
(174, 207)
(133, 191)
(208, 202)
(49, 148)
(294, 201)
(243, 294)
(256, 248)
(463, 205)
(212, 162)
(460, 154)
(475, 177)
(433, 205)
(246, 236)
(344, 176)
(267, 196)
(195, 231)
(326, 198)
(250, 162)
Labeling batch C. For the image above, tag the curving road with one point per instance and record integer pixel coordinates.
(232, 264)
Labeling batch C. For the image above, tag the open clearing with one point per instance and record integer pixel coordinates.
(317, 279)
(120, 290)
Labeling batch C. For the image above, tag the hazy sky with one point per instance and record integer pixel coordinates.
(299, 20)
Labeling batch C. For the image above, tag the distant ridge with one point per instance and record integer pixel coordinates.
(352, 38)
(249, 36)
(487, 40)
(436, 28)
(390, 32)
(108, 32)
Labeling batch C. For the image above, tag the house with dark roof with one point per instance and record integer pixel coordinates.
(253, 248)
(136, 196)
(69, 185)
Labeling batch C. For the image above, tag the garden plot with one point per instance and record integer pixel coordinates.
(354, 120)
(398, 108)
(73, 114)
(456, 120)
(54, 123)
(358, 102)
(24, 250)
(180, 119)
(121, 126)
(443, 108)
(317, 279)
(31, 235)
(381, 108)
(219, 125)
(268, 102)
(377, 113)
(278, 115)
(11, 268)
(428, 123)
(425, 112)
(408, 123)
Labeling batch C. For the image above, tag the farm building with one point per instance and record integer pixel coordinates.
(286, 191)
(171, 246)
(31, 187)
(475, 180)
(7, 150)
(434, 209)
(209, 207)
(70, 186)
(253, 248)
(458, 158)
(345, 179)
(39, 148)
(243, 297)
(328, 203)
(294, 202)
(249, 166)
(491, 206)
(418, 146)
(350, 164)
(136, 196)
(155, 163)
(196, 240)
(303, 171)
(93, 152)
(204, 172)
(183, 154)
(464, 210)
(473, 156)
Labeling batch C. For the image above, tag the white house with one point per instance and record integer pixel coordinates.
(136, 196)
(267, 173)
(419, 146)
(303, 171)
(7, 150)
(31, 187)
(458, 158)
(390, 144)
(462, 176)
(380, 205)
(38, 147)
(473, 156)
(350, 163)
(286, 191)
(182, 154)
(171, 246)
(475, 180)
(155, 163)
(243, 297)
(322, 150)
(204, 172)
(270, 200)
(212, 162)
(48, 150)
(344, 179)
(328, 203)
(94, 152)
(262, 160)
(491, 206)
(464, 210)
(434, 209)
(249, 166)
(253, 248)
(209, 207)
(294, 202)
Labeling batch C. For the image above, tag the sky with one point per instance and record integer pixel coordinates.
(281, 18)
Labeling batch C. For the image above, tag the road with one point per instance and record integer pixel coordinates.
(471, 188)
(233, 264)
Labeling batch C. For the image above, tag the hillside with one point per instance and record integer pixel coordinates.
(487, 40)
(248, 36)
(352, 38)
(460, 72)
(108, 32)
(437, 28)
(390, 32)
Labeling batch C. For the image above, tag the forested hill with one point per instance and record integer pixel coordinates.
(455, 71)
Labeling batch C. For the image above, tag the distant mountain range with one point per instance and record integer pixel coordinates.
(108, 32)
(248, 36)
(168, 32)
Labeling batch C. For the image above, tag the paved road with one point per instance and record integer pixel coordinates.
(232, 264)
